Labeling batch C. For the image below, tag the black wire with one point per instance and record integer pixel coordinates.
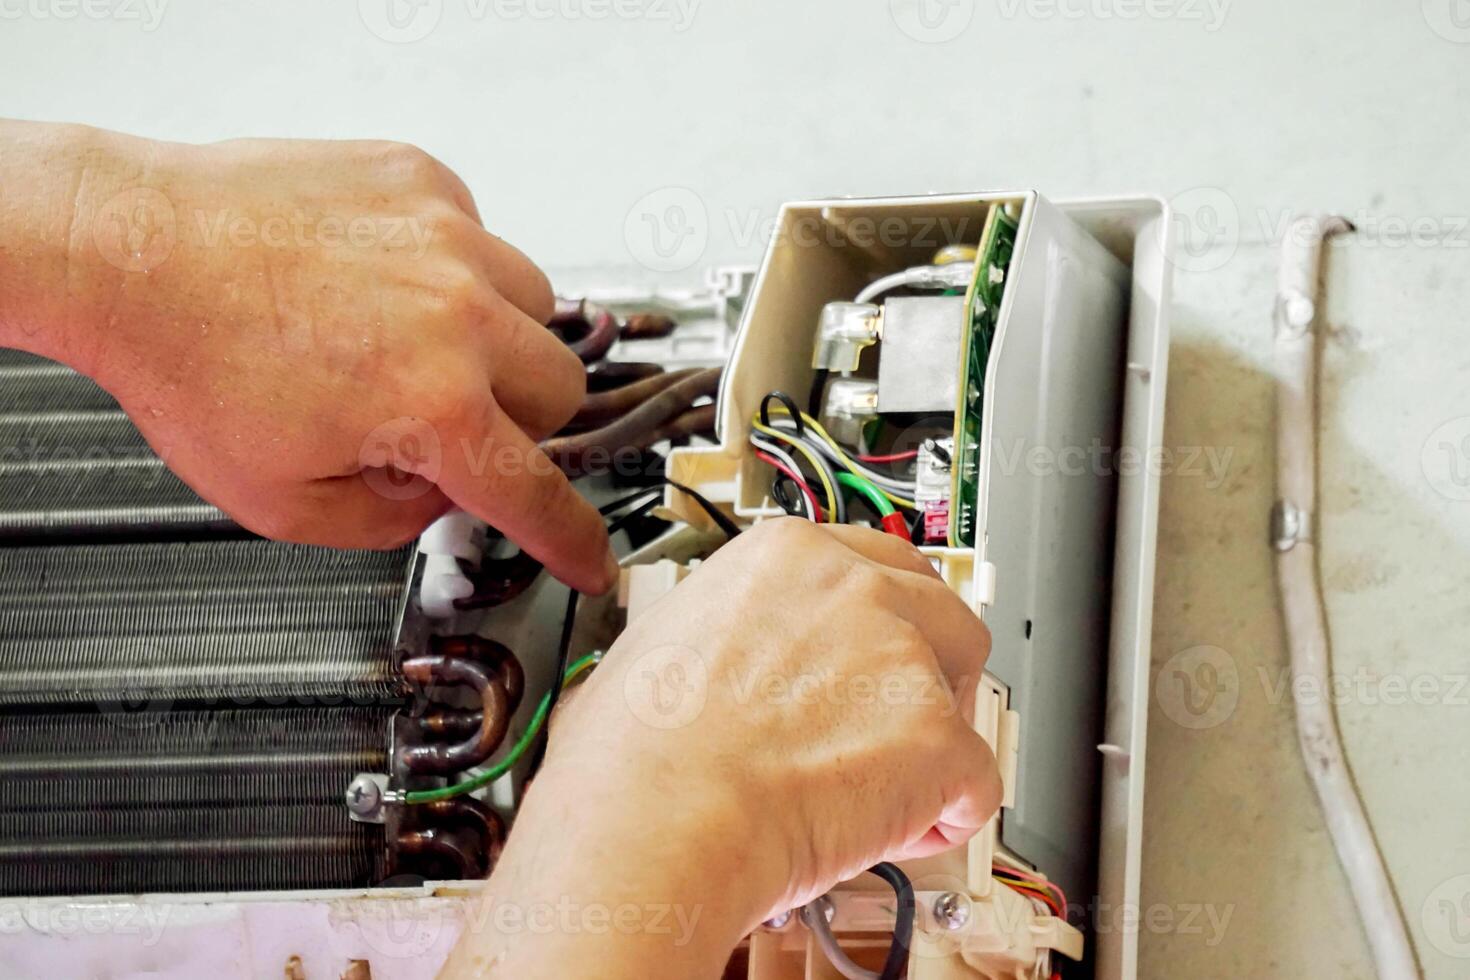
(940, 453)
(896, 965)
(564, 647)
(781, 493)
(916, 531)
(814, 397)
(715, 514)
(622, 502)
(634, 514)
(563, 656)
(790, 404)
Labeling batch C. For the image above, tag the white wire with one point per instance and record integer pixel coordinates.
(882, 479)
(815, 918)
(1302, 606)
(878, 287)
(956, 275)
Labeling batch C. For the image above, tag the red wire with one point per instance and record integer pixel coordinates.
(1039, 881)
(891, 457)
(798, 480)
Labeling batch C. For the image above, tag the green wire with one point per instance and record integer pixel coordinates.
(519, 749)
(867, 489)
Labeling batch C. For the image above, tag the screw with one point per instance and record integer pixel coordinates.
(364, 796)
(952, 910)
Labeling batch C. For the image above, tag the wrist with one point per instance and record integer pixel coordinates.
(77, 206)
(624, 883)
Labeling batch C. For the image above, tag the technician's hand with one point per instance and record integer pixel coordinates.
(796, 711)
(319, 337)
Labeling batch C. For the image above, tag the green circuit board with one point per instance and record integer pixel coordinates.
(982, 313)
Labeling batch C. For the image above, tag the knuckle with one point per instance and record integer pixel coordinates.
(540, 297)
(909, 645)
(465, 292)
(866, 582)
(445, 395)
(407, 159)
(783, 534)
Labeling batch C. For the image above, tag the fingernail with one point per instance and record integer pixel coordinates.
(610, 569)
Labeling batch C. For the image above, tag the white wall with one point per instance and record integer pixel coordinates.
(562, 123)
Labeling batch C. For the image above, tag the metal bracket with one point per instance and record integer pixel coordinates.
(1290, 525)
(366, 796)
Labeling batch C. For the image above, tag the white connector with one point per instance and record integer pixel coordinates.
(455, 536)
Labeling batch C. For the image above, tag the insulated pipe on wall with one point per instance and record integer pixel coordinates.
(1294, 536)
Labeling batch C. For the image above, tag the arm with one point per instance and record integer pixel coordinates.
(319, 337)
(780, 722)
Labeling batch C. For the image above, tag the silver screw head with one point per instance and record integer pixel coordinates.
(363, 795)
(952, 910)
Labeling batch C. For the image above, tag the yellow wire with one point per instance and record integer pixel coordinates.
(847, 461)
(811, 456)
(1025, 886)
(579, 669)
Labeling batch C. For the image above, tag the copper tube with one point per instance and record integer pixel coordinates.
(694, 422)
(587, 451)
(587, 328)
(608, 375)
(466, 811)
(647, 326)
(487, 653)
(442, 759)
(442, 843)
(498, 580)
(446, 723)
(602, 407)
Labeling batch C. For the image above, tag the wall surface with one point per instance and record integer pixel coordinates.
(623, 140)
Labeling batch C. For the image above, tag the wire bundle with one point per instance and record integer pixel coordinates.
(784, 437)
(1033, 886)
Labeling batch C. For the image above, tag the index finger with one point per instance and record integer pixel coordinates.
(497, 473)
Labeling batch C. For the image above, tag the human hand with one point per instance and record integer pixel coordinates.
(796, 711)
(318, 337)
